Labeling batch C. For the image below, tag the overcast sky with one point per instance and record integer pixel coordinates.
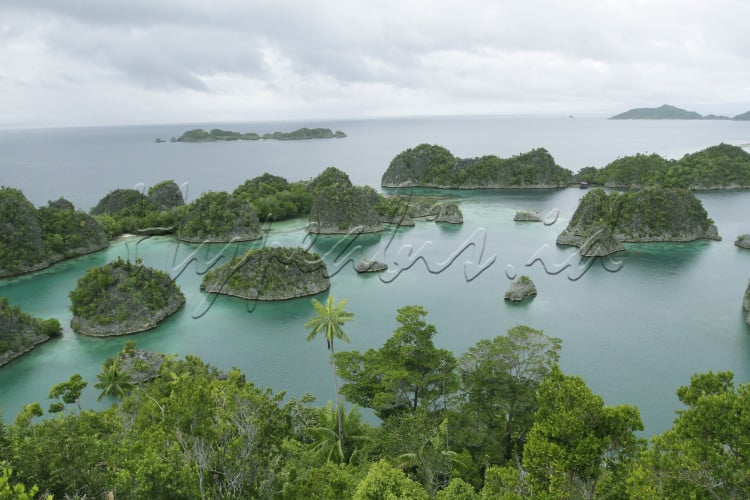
(93, 62)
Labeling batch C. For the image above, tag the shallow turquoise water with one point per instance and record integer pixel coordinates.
(635, 335)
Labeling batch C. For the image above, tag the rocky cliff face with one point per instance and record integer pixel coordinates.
(342, 210)
(743, 241)
(270, 273)
(603, 220)
(449, 213)
(520, 289)
(434, 166)
(526, 216)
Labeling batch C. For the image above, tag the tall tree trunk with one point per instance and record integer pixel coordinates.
(338, 406)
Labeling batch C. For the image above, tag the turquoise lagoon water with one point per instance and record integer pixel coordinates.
(635, 327)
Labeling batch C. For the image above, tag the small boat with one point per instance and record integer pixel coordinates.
(584, 185)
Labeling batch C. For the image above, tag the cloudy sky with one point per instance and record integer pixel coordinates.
(93, 62)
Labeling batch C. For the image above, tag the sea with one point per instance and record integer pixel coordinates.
(635, 326)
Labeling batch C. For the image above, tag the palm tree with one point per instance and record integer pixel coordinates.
(325, 440)
(328, 322)
(113, 382)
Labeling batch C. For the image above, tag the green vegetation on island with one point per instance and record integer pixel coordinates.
(122, 297)
(663, 112)
(717, 167)
(520, 289)
(200, 135)
(19, 332)
(32, 239)
(131, 211)
(270, 273)
(340, 208)
(746, 304)
(275, 198)
(500, 421)
(219, 217)
(652, 214)
(434, 166)
(743, 241)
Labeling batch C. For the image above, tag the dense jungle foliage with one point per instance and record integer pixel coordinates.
(500, 421)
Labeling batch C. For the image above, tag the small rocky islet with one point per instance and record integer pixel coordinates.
(521, 289)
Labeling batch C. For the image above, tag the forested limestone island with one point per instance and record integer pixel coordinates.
(370, 266)
(270, 273)
(200, 135)
(341, 208)
(746, 304)
(434, 166)
(32, 239)
(219, 217)
(275, 198)
(131, 211)
(743, 241)
(20, 332)
(602, 222)
(668, 112)
(717, 167)
(122, 297)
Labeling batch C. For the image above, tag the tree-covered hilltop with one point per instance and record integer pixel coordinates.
(122, 297)
(166, 195)
(217, 134)
(339, 207)
(717, 167)
(344, 210)
(19, 332)
(219, 217)
(275, 198)
(499, 421)
(652, 214)
(270, 273)
(663, 112)
(32, 239)
(131, 211)
(434, 166)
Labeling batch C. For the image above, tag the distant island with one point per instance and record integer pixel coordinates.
(668, 112)
(717, 167)
(270, 273)
(20, 333)
(434, 166)
(602, 221)
(217, 134)
(122, 297)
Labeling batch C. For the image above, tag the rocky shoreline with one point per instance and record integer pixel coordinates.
(93, 329)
